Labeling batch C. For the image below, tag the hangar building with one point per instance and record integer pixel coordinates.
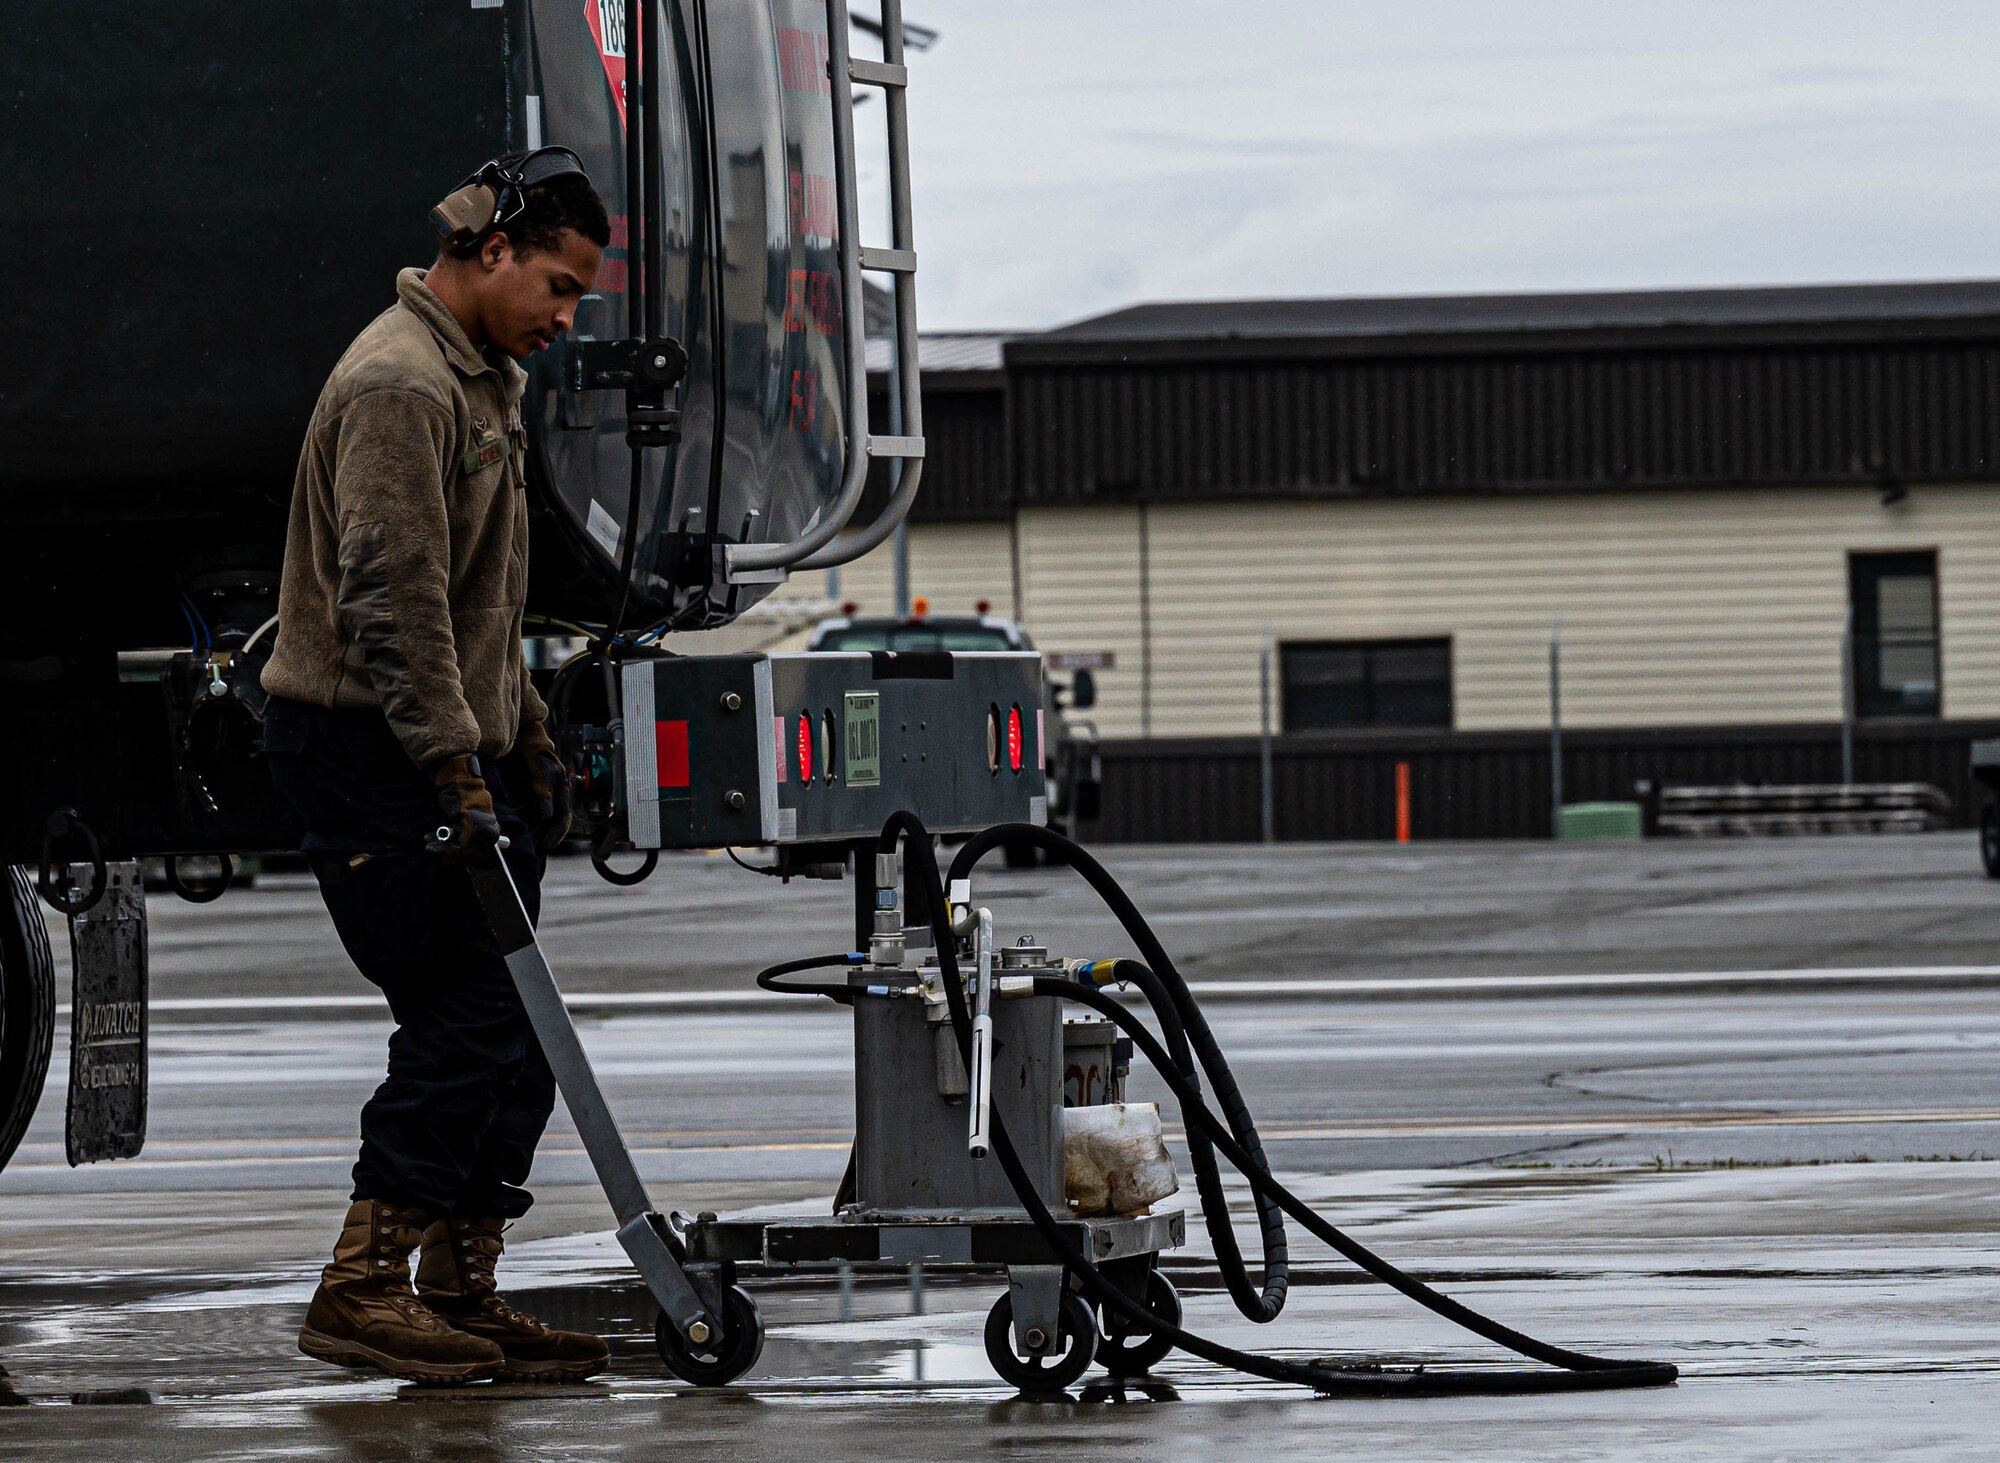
(1712, 492)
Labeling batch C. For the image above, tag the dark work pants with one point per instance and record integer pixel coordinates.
(453, 1127)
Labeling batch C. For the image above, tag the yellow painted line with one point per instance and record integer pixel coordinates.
(1507, 1127)
(347, 1144)
(273, 1160)
(701, 1138)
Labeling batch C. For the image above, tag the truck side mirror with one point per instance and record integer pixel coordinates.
(1083, 691)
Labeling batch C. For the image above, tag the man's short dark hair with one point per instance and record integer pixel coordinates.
(566, 202)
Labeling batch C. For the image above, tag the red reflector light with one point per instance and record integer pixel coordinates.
(805, 746)
(1014, 738)
(670, 752)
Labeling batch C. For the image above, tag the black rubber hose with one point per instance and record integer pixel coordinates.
(1584, 1372)
(600, 860)
(1251, 1161)
(1194, 1111)
(714, 247)
(561, 686)
(1259, 1306)
(52, 884)
(638, 278)
(771, 978)
(199, 893)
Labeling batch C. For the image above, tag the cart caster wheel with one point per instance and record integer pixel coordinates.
(1042, 1373)
(742, 1343)
(1128, 1351)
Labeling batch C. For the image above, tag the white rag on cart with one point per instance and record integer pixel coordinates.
(1115, 1158)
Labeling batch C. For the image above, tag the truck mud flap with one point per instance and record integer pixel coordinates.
(107, 1024)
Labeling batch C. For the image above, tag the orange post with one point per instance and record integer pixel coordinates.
(1402, 802)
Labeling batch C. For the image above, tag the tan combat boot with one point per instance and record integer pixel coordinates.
(365, 1315)
(455, 1279)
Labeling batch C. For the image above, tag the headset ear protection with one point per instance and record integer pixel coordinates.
(495, 195)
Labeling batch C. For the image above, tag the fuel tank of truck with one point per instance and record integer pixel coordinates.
(204, 202)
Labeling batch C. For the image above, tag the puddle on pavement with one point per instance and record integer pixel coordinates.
(229, 1341)
(63, 1346)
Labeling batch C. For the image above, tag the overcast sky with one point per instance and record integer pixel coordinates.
(1075, 156)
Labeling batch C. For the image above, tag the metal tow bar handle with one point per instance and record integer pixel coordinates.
(648, 1239)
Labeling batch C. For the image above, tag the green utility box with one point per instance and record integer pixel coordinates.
(1599, 820)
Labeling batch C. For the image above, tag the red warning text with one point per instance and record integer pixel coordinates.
(813, 215)
(812, 301)
(805, 400)
(802, 61)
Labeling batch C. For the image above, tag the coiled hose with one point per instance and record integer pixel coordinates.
(1580, 1371)
(1181, 1019)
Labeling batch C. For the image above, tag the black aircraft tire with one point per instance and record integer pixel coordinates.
(1989, 840)
(27, 1006)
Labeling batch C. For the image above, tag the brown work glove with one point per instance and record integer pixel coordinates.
(465, 811)
(547, 784)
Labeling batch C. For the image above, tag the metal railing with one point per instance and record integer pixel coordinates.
(829, 543)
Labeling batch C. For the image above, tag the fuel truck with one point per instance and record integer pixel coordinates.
(204, 203)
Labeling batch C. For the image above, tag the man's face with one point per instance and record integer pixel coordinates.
(527, 300)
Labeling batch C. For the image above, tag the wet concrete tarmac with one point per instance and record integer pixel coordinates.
(1814, 1311)
(1228, 912)
(1783, 1289)
(1531, 1155)
(764, 1103)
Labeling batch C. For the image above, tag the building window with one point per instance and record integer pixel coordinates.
(1893, 598)
(1343, 683)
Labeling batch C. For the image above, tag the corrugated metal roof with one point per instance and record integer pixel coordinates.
(973, 350)
(1856, 384)
(1166, 425)
(1345, 324)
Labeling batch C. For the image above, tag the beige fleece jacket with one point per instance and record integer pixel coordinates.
(406, 556)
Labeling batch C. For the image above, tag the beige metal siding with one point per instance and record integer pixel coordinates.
(1080, 591)
(1678, 608)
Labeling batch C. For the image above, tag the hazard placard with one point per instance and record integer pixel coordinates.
(606, 19)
